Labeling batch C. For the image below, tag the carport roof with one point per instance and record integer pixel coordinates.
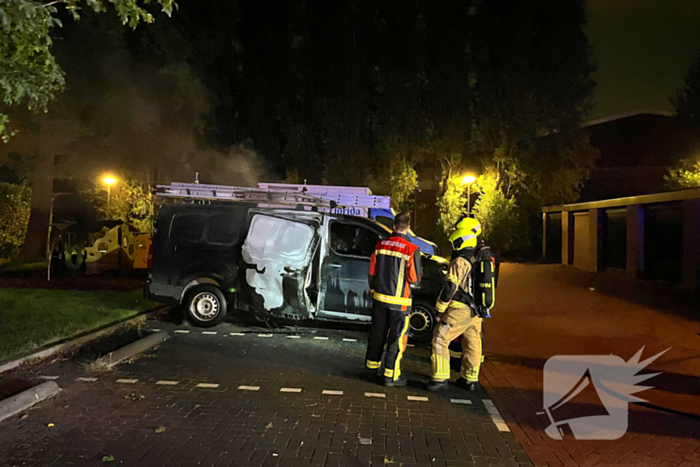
(680, 195)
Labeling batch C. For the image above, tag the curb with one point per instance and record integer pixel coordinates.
(72, 343)
(124, 353)
(25, 399)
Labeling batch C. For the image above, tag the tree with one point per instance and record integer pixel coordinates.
(686, 174)
(531, 77)
(131, 201)
(497, 213)
(29, 73)
(687, 100)
(30, 76)
(14, 217)
(452, 204)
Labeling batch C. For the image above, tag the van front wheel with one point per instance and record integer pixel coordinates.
(205, 305)
(422, 322)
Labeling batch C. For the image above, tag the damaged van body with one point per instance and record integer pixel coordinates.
(276, 264)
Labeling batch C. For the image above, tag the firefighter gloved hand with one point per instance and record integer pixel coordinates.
(481, 311)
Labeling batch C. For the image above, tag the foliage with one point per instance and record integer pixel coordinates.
(687, 101)
(404, 182)
(130, 201)
(686, 174)
(452, 204)
(497, 213)
(14, 217)
(33, 317)
(396, 171)
(533, 85)
(29, 72)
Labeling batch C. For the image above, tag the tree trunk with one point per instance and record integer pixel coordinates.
(34, 248)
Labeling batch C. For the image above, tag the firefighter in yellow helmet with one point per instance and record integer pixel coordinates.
(457, 314)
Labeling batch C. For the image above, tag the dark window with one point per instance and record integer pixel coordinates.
(351, 239)
(188, 227)
(222, 229)
(385, 221)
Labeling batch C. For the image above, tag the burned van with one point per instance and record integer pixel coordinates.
(278, 264)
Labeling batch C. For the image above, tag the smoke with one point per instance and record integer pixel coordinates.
(132, 118)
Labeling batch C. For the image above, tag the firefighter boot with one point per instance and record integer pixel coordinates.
(400, 382)
(437, 385)
(469, 386)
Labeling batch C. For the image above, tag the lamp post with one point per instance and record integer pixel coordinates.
(109, 181)
(468, 180)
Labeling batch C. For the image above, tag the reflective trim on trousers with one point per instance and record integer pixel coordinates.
(372, 365)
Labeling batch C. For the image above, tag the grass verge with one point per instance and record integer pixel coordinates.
(32, 318)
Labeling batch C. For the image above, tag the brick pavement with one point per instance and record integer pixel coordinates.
(552, 310)
(193, 402)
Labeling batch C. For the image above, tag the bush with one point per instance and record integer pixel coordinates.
(498, 215)
(15, 206)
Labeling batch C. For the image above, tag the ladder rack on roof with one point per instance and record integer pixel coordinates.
(198, 191)
(277, 196)
(359, 197)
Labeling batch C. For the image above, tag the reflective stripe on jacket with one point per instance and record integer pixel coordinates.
(395, 264)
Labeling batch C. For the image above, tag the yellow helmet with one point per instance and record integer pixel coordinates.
(465, 233)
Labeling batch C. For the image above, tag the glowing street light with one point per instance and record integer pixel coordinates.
(468, 180)
(109, 181)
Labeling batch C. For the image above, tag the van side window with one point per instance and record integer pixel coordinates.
(385, 221)
(188, 227)
(352, 239)
(222, 229)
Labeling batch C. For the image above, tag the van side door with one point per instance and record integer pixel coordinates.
(345, 290)
(275, 270)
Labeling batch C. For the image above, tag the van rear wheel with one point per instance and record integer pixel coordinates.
(205, 305)
(422, 322)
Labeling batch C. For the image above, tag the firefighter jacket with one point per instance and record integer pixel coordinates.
(394, 266)
(456, 293)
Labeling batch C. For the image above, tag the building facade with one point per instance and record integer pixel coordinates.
(654, 237)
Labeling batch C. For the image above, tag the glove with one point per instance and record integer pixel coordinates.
(482, 311)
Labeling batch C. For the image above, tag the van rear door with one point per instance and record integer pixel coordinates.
(275, 270)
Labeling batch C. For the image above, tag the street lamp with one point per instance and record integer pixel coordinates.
(109, 181)
(468, 180)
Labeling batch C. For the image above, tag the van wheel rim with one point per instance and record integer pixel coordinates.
(205, 306)
(420, 321)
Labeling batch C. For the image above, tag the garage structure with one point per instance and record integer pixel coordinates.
(655, 237)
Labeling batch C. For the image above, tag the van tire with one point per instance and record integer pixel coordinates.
(205, 305)
(422, 322)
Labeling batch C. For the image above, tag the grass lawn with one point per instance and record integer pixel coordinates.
(31, 318)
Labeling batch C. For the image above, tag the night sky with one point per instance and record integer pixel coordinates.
(642, 49)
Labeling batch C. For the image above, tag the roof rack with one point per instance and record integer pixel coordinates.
(202, 192)
(278, 196)
(359, 197)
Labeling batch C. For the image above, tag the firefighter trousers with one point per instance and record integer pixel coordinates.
(456, 322)
(390, 327)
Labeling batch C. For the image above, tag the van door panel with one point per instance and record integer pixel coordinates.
(345, 270)
(276, 259)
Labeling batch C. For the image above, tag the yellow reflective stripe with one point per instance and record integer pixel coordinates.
(388, 373)
(399, 283)
(392, 253)
(397, 364)
(392, 300)
(452, 278)
(441, 368)
(440, 306)
(372, 365)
